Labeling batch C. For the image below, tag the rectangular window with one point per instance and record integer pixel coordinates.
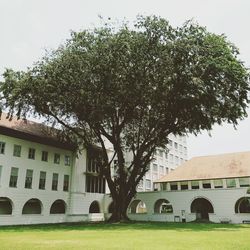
(148, 184)
(167, 170)
(95, 184)
(171, 158)
(2, 147)
(155, 168)
(166, 155)
(66, 183)
(173, 186)
(1, 167)
(140, 185)
(170, 143)
(155, 176)
(57, 159)
(184, 185)
(218, 183)
(244, 182)
(195, 184)
(42, 180)
(45, 156)
(206, 184)
(160, 152)
(28, 179)
(13, 177)
(32, 152)
(176, 145)
(231, 183)
(17, 150)
(176, 160)
(67, 160)
(54, 182)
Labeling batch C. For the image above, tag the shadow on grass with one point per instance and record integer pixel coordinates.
(127, 226)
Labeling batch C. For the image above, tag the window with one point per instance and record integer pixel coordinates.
(54, 182)
(0, 173)
(13, 177)
(160, 152)
(148, 184)
(155, 167)
(170, 143)
(67, 160)
(95, 183)
(167, 170)
(161, 169)
(45, 156)
(140, 185)
(195, 184)
(32, 152)
(66, 183)
(166, 155)
(173, 186)
(17, 151)
(28, 179)
(42, 180)
(171, 158)
(57, 159)
(176, 145)
(218, 183)
(176, 160)
(184, 185)
(2, 147)
(206, 184)
(244, 182)
(231, 183)
(155, 176)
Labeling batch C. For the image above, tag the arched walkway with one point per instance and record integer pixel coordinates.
(5, 206)
(242, 205)
(163, 206)
(137, 207)
(58, 207)
(202, 207)
(94, 207)
(32, 206)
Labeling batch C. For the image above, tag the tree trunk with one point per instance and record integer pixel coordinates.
(120, 206)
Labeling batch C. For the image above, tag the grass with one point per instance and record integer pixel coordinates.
(126, 236)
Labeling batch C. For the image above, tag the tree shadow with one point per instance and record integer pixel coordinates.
(127, 226)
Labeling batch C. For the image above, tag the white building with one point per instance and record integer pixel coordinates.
(214, 188)
(42, 180)
(165, 161)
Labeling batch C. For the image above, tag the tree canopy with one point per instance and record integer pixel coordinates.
(133, 86)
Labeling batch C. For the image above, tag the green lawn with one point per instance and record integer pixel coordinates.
(126, 236)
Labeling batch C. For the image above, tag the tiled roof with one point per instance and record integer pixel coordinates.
(211, 167)
(29, 130)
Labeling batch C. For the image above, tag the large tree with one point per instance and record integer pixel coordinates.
(132, 86)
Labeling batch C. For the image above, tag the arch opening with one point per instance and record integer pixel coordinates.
(137, 207)
(202, 207)
(94, 207)
(32, 206)
(242, 205)
(5, 206)
(58, 207)
(163, 206)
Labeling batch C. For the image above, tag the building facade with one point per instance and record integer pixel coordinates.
(42, 180)
(212, 188)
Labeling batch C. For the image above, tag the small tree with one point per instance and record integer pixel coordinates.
(133, 87)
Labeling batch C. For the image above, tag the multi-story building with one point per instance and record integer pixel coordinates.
(42, 180)
(165, 161)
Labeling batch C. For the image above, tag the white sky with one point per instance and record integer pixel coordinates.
(28, 27)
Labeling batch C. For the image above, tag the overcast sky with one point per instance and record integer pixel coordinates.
(28, 27)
